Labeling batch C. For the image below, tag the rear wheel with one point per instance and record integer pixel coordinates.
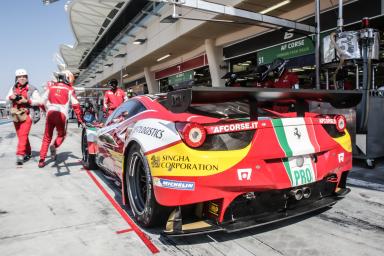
(146, 210)
(89, 160)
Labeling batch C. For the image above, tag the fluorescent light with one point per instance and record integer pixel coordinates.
(139, 41)
(125, 75)
(120, 55)
(273, 7)
(164, 57)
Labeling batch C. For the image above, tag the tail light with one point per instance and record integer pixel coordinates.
(193, 134)
(341, 123)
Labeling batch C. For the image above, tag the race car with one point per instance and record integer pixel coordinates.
(222, 159)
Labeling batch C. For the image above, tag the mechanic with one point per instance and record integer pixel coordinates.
(57, 98)
(113, 98)
(262, 79)
(23, 96)
(284, 78)
(89, 113)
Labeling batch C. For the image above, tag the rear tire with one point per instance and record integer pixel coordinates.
(89, 161)
(138, 179)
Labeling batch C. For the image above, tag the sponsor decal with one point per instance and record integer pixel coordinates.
(302, 176)
(182, 161)
(302, 173)
(327, 121)
(155, 161)
(174, 184)
(234, 127)
(170, 162)
(150, 131)
(244, 174)
(340, 157)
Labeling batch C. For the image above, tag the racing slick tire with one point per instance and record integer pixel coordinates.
(138, 179)
(89, 160)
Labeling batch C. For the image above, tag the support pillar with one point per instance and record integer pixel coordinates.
(382, 6)
(215, 60)
(152, 85)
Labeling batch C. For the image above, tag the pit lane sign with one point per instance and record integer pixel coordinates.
(292, 49)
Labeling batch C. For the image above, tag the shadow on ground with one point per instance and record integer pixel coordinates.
(63, 162)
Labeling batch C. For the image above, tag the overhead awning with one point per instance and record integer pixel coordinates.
(89, 19)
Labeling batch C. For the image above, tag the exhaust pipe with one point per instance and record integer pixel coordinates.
(307, 192)
(297, 194)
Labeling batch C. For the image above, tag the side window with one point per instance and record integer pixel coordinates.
(125, 111)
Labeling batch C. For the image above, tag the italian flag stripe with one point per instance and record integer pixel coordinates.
(296, 139)
(280, 134)
(297, 136)
(288, 169)
(315, 143)
(312, 135)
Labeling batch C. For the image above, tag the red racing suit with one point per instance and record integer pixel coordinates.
(113, 99)
(30, 93)
(286, 80)
(57, 98)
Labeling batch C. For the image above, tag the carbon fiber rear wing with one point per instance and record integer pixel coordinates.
(180, 100)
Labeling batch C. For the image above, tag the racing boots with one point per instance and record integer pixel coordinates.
(19, 160)
(26, 158)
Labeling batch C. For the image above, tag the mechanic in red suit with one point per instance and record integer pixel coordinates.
(113, 98)
(284, 78)
(23, 96)
(57, 98)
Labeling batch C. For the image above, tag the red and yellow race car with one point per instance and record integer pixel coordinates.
(205, 159)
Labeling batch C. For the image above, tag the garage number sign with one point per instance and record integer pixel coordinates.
(296, 48)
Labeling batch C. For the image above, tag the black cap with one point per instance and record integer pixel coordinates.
(113, 82)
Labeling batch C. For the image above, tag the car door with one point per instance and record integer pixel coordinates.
(112, 138)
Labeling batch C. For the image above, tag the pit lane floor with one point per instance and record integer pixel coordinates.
(59, 210)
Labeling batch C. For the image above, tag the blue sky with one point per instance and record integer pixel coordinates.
(30, 36)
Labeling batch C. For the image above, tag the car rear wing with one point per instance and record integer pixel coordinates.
(180, 100)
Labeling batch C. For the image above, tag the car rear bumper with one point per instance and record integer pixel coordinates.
(209, 226)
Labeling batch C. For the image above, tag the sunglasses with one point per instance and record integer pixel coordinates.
(22, 77)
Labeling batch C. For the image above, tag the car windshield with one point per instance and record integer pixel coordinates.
(229, 110)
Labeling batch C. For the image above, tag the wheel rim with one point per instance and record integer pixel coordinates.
(138, 183)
